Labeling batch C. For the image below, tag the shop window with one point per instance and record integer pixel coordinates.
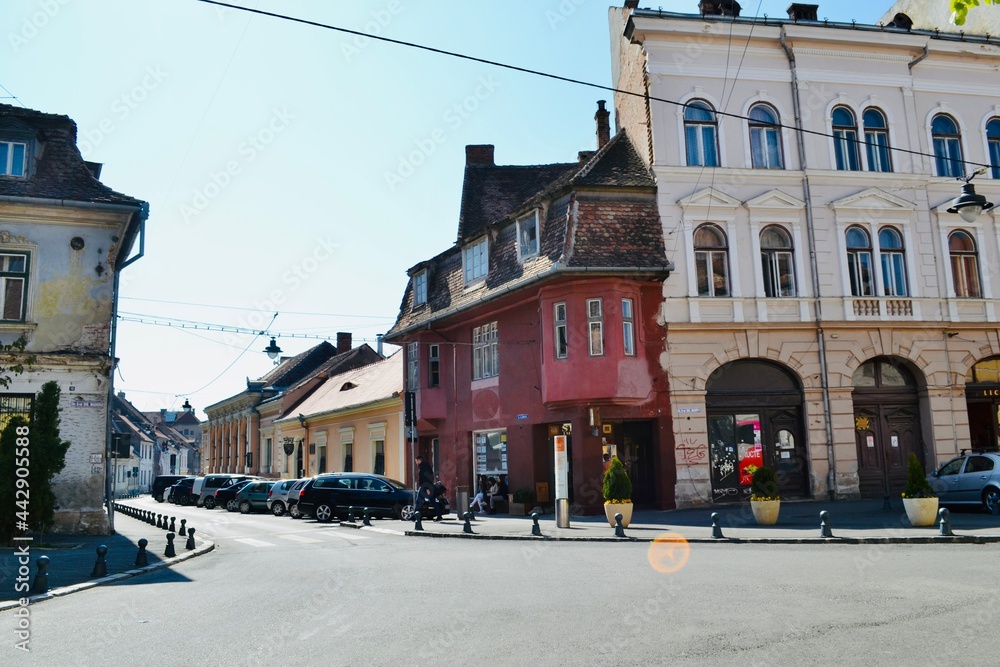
(845, 139)
(700, 135)
(876, 140)
(595, 325)
(859, 262)
(964, 264)
(711, 256)
(491, 452)
(777, 262)
(628, 328)
(485, 352)
(765, 140)
(947, 147)
(890, 247)
(560, 338)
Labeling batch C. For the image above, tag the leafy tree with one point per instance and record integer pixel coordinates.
(8, 473)
(48, 454)
(960, 9)
(13, 361)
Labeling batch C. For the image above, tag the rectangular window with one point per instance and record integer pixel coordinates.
(379, 465)
(779, 273)
(595, 324)
(267, 455)
(491, 452)
(12, 158)
(485, 357)
(859, 267)
(420, 288)
(628, 327)
(559, 321)
(894, 274)
(13, 285)
(476, 261)
(348, 456)
(434, 365)
(527, 236)
(994, 144)
(412, 366)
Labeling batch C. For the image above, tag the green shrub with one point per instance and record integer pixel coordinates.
(764, 485)
(617, 486)
(916, 481)
(522, 496)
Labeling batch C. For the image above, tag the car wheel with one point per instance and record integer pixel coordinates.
(209, 503)
(185, 500)
(278, 508)
(406, 513)
(159, 499)
(991, 500)
(245, 507)
(294, 512)
(324, 513)
(231, 505)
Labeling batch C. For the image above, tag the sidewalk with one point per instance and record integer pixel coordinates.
(72, 558)
(850, 521)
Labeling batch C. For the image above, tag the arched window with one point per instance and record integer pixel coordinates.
(876, 140)
(993, 140)
(859, 262)
(700, 135)
(845, 139)
(777, 262)
(964, 264)
(890, 246)
(947, 146)
(765, 142)
(711, 258)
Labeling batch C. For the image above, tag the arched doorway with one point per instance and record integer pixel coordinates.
(982, 399)
(886, 425)
(754, 413)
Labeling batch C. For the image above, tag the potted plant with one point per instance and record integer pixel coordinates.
(765, 500)
(919, 499)
(521, 503)
(617, 490)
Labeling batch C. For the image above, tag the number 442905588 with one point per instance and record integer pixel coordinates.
(21, 464)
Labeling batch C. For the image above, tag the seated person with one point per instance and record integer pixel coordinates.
(498, 493)
(479, 502)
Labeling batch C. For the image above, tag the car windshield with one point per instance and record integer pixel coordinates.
(394, 482)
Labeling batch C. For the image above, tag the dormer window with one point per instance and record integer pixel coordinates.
(12, 155)
(420, 288)
(527, 236)
(475, 261)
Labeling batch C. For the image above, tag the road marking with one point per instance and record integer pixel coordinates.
(299, 538)
(252, 542)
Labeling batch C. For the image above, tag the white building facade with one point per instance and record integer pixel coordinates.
(827, 315)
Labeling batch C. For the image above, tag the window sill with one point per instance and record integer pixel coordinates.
(17, 327)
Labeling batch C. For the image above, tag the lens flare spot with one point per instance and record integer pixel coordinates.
(668, 553)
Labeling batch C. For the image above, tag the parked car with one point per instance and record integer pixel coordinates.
(226, 496)
(293, 497)
(180, 493)
(969, 479)
(277, 497)
(161, 483)
(332, 494)
(253, 496)
(205, 487)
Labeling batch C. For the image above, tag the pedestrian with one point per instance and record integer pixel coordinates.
(425, 487)
(479, 501)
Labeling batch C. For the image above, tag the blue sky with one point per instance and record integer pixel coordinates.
(297, 170)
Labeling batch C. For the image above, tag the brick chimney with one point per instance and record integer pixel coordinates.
(481, 156)
(631, 4)
(801, 12)
(344, 342)
(719, 7)
(603, 126)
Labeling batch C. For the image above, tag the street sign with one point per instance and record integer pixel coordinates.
(561, 466)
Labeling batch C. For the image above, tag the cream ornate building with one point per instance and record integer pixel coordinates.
(827, 315)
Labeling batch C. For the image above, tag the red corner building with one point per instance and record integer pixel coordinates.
(544, 319)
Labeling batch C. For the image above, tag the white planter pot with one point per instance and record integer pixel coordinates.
(921, 511)
(625, 509)
(765, 511)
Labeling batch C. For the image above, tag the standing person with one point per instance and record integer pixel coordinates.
(425, 490)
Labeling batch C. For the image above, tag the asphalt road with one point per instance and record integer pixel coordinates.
(277, 591)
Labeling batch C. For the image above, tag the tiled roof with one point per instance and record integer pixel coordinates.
(375, 382)
(59, 171)
(601, 214)
(294, 369)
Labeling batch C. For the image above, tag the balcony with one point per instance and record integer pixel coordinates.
(884, 307)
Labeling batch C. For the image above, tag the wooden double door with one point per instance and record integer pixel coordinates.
(886, 434)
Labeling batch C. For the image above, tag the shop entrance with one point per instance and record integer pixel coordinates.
(982, 398)
(886, 425)
(755, 419)
(632, 442)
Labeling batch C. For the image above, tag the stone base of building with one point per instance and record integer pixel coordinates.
(81, 522)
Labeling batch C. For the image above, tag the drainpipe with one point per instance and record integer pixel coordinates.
(831, 477)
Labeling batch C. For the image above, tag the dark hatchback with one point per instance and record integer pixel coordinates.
(163, 482)
(180, 493)
(226, 497)
(330, 495)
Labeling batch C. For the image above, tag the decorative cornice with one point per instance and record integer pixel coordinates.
(7, 238)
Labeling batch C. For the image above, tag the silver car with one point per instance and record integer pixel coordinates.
(277, 498)
(969, 479)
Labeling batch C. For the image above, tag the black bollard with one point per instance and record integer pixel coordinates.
(824, 524)
(368, 517)
(190, 540)
(183, 532)
(172, 529)
(41, 583)
(716, 528)
(418, 522)
(467, 528)
(141, 560)
(159, 521)
(350, 513)
(619, 528)
(101, 566)
(945, 517)
(169, 552)
(535, 528)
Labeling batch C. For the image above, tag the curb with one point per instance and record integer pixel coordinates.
(128, 574)
(951, 539)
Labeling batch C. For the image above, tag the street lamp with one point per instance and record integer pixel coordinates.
(969, 205)
(273, 350)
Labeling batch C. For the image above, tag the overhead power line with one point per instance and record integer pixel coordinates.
(557, 77)
(255, 309)
(225, 328)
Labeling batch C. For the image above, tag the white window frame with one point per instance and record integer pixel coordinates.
(476, 261)
(485, 352)
(528, 222)
(560, 338)
(595, 327)
(420, 288)
(412, 366)
(628, 327)
(7, 166)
